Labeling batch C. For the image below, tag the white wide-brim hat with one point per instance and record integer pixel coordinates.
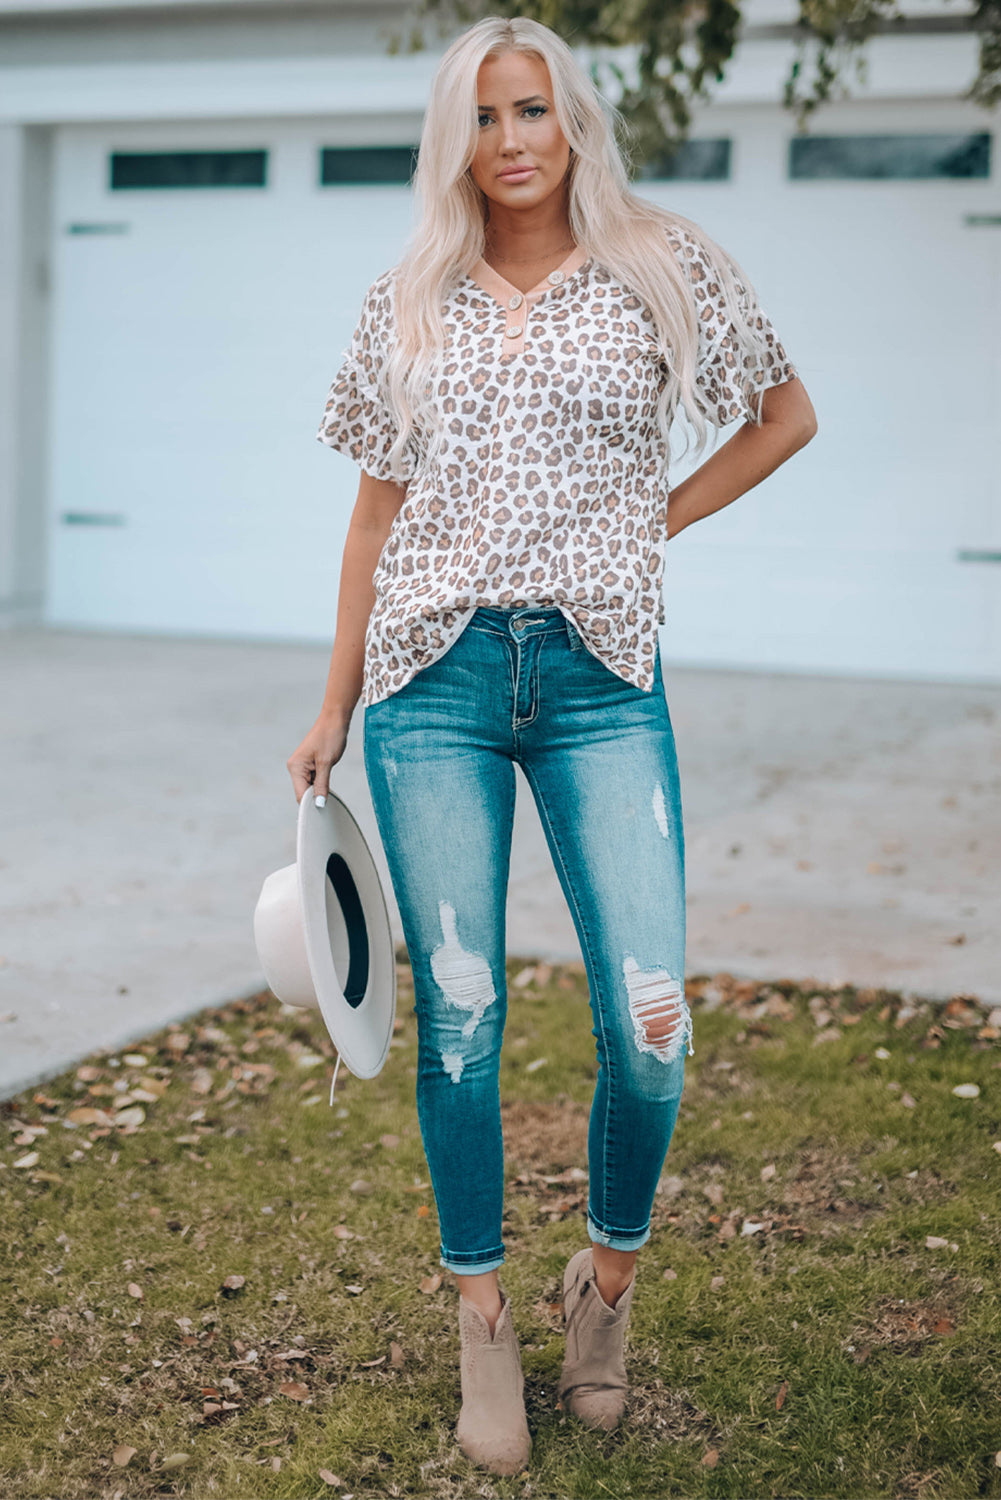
(321, 928)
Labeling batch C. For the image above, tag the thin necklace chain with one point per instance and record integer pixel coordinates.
(527, 260)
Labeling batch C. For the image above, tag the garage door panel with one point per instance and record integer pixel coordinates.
(198, 332)
(837, 612)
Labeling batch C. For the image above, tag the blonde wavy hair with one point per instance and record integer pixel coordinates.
(618, 229)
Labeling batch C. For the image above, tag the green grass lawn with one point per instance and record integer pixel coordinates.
(218, 1286)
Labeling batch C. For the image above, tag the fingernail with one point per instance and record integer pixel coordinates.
(321, 801)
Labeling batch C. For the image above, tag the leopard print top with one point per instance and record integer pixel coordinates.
(547, 487)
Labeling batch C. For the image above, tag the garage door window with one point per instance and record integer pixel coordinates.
(188, 169)
(898, 156)
(343, 166)
(693, 161)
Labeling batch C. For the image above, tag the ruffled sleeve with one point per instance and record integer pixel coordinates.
(724, 388)
(356, 418)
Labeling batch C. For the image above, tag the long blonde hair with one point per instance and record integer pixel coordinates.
(624, 233)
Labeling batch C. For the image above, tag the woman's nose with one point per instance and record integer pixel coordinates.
(510, 135)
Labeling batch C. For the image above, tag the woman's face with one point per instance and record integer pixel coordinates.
(522, 154)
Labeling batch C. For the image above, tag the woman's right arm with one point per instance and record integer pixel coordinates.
(376, 508)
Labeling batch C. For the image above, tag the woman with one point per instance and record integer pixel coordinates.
(508, 394)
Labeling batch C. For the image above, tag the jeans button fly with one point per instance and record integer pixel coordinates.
(518, 624)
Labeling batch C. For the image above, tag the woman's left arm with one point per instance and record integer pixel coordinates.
(788, 422)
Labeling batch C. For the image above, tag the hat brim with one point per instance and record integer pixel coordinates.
(349, 942)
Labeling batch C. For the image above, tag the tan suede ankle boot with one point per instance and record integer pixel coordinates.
(593, 1382)
(492, 1428)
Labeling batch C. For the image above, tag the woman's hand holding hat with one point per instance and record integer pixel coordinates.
(310, 765)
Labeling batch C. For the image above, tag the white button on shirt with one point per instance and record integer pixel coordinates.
(547, 480)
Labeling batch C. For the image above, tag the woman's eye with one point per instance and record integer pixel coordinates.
(534, 111)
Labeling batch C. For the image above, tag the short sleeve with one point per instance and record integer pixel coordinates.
(726, 390)
(356, 419)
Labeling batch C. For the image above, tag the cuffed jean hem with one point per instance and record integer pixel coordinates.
(613, 1240)
(469, 1267)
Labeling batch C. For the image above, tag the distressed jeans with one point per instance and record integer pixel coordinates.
(520, 686)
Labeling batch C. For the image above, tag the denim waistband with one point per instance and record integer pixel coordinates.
(521, 620)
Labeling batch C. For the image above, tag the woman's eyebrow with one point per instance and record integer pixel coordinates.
(489, 109)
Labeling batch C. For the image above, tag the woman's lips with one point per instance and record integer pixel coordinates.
(521, 174)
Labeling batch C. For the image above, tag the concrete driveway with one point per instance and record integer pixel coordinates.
(836, 829)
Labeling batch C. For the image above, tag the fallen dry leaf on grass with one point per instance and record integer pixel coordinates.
(431, 1283)
(122, 1454)
(710, 1458)
(782, 1392)
(294, 1390)
(396, 1355)
(218, 1408)
(135, 1290)
(87, 1115)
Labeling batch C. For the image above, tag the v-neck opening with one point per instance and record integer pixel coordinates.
(501, 291)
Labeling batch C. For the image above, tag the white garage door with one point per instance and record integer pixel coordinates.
(197, 330)
(877, 548)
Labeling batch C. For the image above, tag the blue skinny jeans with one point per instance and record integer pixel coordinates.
(520, 685)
